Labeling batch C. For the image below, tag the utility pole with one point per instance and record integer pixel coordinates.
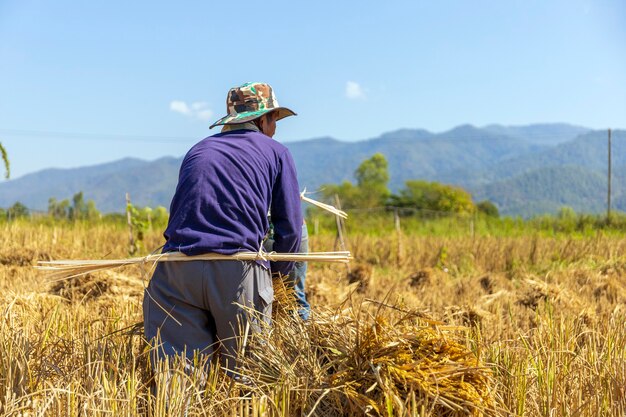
(608, 197)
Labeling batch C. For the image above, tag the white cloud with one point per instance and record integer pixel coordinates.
(179, 107)
(198, 110)
(354, 91)
(199, 105)
(205, 115)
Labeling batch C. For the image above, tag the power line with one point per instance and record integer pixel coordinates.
(478, 134)
(96, 136)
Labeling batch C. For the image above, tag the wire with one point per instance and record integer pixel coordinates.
(96, 136)
(478, 133)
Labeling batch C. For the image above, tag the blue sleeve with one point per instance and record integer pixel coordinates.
(286, 212)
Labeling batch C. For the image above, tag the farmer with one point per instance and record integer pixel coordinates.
(227, 185)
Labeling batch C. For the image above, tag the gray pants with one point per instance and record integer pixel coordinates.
(212, 301)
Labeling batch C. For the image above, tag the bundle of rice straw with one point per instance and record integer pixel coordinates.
(392, 365)
(72, 268)
(351, 362)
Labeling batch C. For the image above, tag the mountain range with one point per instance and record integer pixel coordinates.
(524, 170)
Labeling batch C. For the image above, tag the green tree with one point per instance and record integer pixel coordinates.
(146, 215)
(91, 212)
(143, 219)
(487, 208)
(58, 209)
(371, 190)
(160, 217)
(17, 210)
(567, 219)
(52, 206)
(372, 177)
(373, 172)
(79, 207)
(346, 191)
(567, 213)
(434, 196)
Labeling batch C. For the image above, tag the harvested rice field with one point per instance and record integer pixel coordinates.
(416, 326)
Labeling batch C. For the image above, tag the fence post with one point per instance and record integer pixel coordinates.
(339, 222)
(396, 222)
(132, 248)
(396, 219)
(340, 230)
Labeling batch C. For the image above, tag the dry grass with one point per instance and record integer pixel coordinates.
(543, 317)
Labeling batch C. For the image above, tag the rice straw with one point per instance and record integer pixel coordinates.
(70, 268)
(324, 206)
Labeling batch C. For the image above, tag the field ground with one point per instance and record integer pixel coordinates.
(541, 321)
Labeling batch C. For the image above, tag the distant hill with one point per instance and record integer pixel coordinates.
(545, 190)
(411, 154)
(149, 183)
(588, 150)
(525, 170)
(541, 134)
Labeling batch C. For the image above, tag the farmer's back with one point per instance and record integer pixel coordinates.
(224, 191)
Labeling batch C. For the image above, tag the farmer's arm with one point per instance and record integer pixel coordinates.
(286, 213)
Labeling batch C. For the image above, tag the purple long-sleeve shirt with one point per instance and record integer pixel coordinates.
(227, 184)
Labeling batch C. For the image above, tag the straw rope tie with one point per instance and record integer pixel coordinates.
(260, 255)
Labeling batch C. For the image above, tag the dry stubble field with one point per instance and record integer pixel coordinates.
(531, 326)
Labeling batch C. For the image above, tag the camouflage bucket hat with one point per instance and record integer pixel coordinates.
(251, 101)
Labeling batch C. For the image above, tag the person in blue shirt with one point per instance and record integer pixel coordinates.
(227, 184)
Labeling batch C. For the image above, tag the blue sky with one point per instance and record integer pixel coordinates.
(85, 82)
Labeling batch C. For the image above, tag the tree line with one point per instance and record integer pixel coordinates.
(79, 209)
(371, 191)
